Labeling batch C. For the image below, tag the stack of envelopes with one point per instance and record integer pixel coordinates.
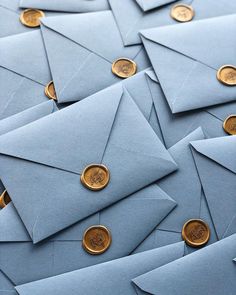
(117, 147)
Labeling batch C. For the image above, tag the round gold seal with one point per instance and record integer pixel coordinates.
(4, 199)
(95, 177)
(50, 91)
(227, 75)
(124, 68)
(196, 233)
(96, 239)
(31, 17)
(182, 13)
(230, 125)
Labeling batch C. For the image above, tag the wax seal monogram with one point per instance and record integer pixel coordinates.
(182, 13)
(230, 125)
(124, 68)
(227, 75)
(96, 239)
(31, 17)
(196, 233)
(95, 177)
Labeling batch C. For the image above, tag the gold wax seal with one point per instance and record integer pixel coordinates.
(50, 91)
(227, 75)
(95, 177)
(4, 199)
(96, 239)
(31, 17)
(182, 13)
(196, 233)
(124, 68)
(230, 125)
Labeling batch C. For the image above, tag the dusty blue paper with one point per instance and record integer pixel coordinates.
(187, 70)
(107, 128)
(10, 18)
(216, 166)
(87, 45)
(132, 17)
(109, 278)
(185, 187)
(208, 271)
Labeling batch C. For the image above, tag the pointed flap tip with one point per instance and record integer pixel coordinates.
(96, 113)
(146, 282)
(11, 227)
(220, 150)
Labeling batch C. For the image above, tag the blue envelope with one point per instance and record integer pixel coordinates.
(24, 72)
(24, 118)
(187, 71)
(146, 91)
(209, 271)
(48, 157)
(129, 222)
(135, 15)
(185, 188)
(87, 46)
(114, 277)
(10, 18)
(216, 166)
(174, 127)
(67, 6)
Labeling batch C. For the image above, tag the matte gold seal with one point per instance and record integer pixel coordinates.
(227, 75)
(31, 17)
(4, 199)
(230, 125)
(182, 13)
(124, 68)
(95, 177)
(97, 239)
(196, 233)
(50, 91)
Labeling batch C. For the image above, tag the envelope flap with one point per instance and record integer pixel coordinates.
(136, 216)
(12, 4)
(21, 119)
(207, 271)
(97, 32)
(12, 228)
(151, 4)
(25, 55)
(113, 277)
(138, 88)
(139, 139)
(151, 74)
(205, 41)
(220, 150)
(85, 124)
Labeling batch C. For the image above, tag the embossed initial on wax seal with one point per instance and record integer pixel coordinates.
(31, 17)
(182, 13)
(97, 239)
(196, 233)
(124, 68)
(95, 177)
